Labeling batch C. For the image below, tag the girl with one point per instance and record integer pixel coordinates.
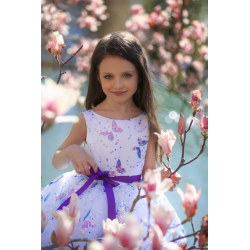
(117, 130)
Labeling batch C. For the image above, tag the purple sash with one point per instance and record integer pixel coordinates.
(109, 183)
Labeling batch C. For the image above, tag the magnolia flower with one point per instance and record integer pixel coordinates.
(67, 220)
(112, 227)
(131, 233)
(110, 243)
(156, 240)
(153, 185)
(196, 98)
(56, 100)
(163, 217)
(166, 141)
(203, 238)
(56, 44)
(44, 220)
(189, 199)
(203, 123)
(181, 124)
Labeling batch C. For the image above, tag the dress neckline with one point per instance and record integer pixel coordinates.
(143, 113)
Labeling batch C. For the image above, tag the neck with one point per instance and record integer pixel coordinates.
(123, 108)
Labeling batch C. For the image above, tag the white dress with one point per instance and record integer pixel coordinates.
(118, 147)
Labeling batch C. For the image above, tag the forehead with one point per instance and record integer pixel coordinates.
(116, 64)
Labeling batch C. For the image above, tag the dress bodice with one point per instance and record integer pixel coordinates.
(118, 147)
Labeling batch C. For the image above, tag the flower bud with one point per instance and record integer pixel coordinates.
(196, 98)
(181, 124)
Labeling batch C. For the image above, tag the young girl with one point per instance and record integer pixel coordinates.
(117, 130)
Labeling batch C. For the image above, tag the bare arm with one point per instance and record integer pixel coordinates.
(71, 146)
(150, 156)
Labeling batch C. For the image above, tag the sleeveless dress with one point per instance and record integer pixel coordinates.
(118, 147)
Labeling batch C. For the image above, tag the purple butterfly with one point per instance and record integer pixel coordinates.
(137, 150)
(88, 223)
(119, 168)
(109, 134)
(115, 128)
(142, 142)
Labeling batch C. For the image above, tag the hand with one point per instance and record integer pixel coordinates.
(175, 178)
(81, 160)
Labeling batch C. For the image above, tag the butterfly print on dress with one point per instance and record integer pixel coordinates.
(142, 142)
(137, 150)
(119, 168)
(110, 135)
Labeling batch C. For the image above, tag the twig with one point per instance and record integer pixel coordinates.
(191, 219)
(194, 247)
(60, 73)
(71, 241)
(138, 197)
(202, 149)
(189, 235)
(186, 220)
(43, 77)
(149, 200)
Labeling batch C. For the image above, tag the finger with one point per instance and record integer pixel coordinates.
(171, 189)
(92, 164)
(86, 168)
(176, 177)
(81, 169)
(175, 182)
(76, 168)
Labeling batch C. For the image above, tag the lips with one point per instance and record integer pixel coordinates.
(119, 93)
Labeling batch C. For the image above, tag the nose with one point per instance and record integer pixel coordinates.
(119, 83)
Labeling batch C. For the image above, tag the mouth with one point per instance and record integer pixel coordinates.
(119, 93)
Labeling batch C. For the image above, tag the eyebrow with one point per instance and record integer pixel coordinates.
(122, 72)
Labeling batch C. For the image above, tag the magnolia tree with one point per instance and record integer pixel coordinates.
(177, 47)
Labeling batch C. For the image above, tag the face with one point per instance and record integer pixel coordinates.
(119, 78)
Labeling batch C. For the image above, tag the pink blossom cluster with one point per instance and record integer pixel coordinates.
(53, 18)
(89, 16)
(159, 17)
(174, 6)
(97, 9)
(73, 80)
(199, 31)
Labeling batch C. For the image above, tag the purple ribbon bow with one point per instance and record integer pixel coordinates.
(109, 183)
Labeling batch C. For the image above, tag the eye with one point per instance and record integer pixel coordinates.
(128, 75)
(106, 76)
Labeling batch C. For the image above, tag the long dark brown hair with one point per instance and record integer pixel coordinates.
(127, 46)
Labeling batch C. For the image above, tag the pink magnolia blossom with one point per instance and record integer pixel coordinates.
(166, 141)
(74, 205)
(137, 22)
(204, 51)
(66, 220)
(181, 124)
(110, 243)
(203, 238)
(56, 45)
(153, 184)
(199, 31)
(44, 220)
(156, 236)
(203, 122)
(97, 9)
(159, 17)
(163, 217)
(130, 235)
(137, 9)
(186, 45)
(56, 100)
(158, 37)
(112, 227)
(196, 98)
(88, 21)
(165, 55)
(186, 33)
(189, 199)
